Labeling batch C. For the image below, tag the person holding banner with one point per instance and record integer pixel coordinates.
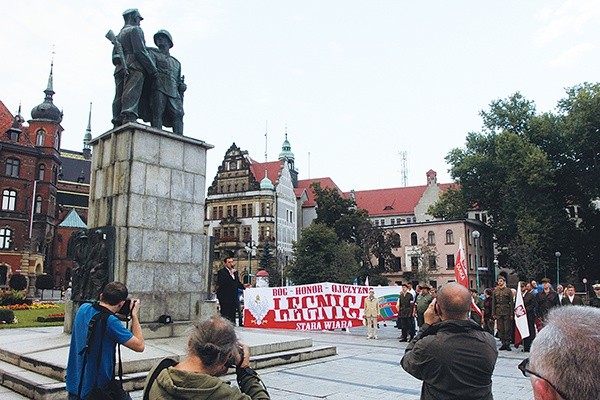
(530, 304)
(453, 356)
(503, 307)
(371, 311)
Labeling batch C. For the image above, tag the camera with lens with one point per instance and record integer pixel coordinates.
(125, 311)
(231, 363)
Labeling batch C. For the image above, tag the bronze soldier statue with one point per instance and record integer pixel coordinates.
(130, 72)
(167, 90)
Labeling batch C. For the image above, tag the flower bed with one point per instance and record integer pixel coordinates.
(33, 306)
(52, 318)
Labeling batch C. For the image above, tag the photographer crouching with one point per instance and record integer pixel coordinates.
(96, 332)
(213, 348)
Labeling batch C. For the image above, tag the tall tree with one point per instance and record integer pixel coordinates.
(269, 264)
(320, 257)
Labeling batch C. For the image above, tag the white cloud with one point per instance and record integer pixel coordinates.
(572, 55)
(566, 19)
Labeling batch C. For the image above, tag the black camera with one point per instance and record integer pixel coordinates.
(231, 361)
(125, 311)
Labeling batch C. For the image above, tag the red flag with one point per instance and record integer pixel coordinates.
(521, 326)
(462, 276)
(460, 266)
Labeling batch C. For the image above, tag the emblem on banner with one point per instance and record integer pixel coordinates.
(259, 308)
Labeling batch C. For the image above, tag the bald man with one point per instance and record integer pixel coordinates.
(451, 354)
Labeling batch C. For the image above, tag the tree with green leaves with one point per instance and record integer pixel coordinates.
(525, 169)
(352, 225)
(269, 264)
(319, 256)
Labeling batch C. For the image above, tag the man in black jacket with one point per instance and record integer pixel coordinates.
(452, 355)
(228, 283)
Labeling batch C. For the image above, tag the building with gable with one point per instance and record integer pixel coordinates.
(41, 186)
(252, 206)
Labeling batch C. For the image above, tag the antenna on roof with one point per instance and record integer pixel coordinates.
(309, 165)
(403, 167)
(266, 130)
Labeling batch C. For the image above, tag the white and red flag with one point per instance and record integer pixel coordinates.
(461, 273)
(460, 266)
(521, 326)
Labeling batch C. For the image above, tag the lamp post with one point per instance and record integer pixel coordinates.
(251, 250)
(495, 270)
(557, 254)
(476, 235)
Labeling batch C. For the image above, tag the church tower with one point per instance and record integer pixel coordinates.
(286, 153)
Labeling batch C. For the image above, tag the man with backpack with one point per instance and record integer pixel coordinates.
(96, 332)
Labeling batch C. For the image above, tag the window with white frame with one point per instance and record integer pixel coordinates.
(9, 199)
(39, 139)
(5, 238)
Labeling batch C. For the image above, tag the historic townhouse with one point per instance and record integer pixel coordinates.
(251, 205)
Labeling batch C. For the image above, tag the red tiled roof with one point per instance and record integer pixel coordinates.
(273, 169)
(305, 184)
(392, 201)
(6, 118)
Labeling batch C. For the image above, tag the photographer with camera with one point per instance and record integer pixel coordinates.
(99, 357)
(213, 348)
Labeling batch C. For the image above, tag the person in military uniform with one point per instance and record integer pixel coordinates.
(479, 303)
(547, 299)
(424, 299)
(167, 91)
(503, 308)
(140, 66)
(371, 311)
(595, 300)
(405, 311)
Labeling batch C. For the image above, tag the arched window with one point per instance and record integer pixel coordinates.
(41, 172)
(413, 239)
(12, 167)
(39, 138)
(9, 199)
(430, 238)
(54, 175)
(57, 141)
(449, 236)
(5, 238)
(396, 242)
(38, 204)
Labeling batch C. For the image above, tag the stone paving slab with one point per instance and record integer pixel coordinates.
(362, 369)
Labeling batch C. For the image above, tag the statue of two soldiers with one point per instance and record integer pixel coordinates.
(148, 80)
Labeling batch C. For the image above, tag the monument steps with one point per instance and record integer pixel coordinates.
(36, 366)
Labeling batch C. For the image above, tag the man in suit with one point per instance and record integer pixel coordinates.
(228, 283)
(530, 304)
(405, 311)
(570, 298)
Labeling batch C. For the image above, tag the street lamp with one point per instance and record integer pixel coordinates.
(251, 250)
(557, 254)
(476, 237)
(495, 270)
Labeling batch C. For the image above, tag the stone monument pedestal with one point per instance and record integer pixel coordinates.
(150, 185)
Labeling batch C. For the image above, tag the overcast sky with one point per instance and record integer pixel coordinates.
(354, 82)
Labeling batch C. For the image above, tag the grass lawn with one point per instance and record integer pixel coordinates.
(28, 318)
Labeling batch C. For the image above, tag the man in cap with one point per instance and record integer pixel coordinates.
(371, 311)
(546, 299)
(140, 66)
(503, 312)
(595, 300)
(168, 88)
(424, 299)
